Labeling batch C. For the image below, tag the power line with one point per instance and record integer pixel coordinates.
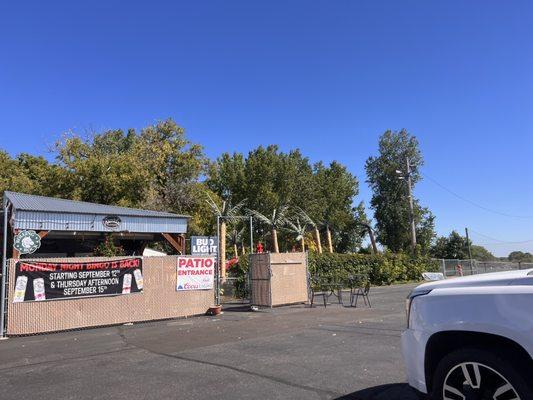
(473, 202)
(500, 242)
(503, 243)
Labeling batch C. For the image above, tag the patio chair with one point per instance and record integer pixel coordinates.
(363, 292)
(318, 290)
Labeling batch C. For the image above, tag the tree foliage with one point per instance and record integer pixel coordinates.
(519, 256)
(480, 253)
(390, 199)
(268, 178)
(158, 168)
(455, 246)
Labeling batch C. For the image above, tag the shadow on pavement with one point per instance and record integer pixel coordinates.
(393, 391)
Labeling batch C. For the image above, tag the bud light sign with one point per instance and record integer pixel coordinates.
(195, 273)
(204, 245)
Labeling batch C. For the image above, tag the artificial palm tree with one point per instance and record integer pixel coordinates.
(277, 220)
(371, 235)
(226, 213)
(298, 229)
(307, 219)
(235, 238)
(328, 238)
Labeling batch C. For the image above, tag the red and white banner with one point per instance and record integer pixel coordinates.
(195, 273)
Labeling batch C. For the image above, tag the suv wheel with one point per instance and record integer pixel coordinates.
(477, 374)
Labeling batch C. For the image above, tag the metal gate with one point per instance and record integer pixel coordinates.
(260, 273)
(234, 291)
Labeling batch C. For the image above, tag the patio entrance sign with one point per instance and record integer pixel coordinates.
(195, 273)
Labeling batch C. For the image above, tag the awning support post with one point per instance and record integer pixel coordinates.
(4, 269)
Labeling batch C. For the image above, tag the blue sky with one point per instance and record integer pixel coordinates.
(325, 76)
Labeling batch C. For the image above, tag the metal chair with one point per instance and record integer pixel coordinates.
(363, 292)
(318, 290)
(319, 293)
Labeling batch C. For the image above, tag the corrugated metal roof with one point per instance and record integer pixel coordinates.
(28, 202)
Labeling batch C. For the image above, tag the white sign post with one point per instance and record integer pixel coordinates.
(195, 273)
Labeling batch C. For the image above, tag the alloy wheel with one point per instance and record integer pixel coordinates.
(476, 381)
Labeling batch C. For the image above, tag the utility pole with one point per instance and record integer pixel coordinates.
(411, 207)
(469, 252)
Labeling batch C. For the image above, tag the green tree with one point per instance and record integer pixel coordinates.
(519, 256)
(12, 176)
(105, 168)
(33, 175)
(480, 253)
(390, 200)
(454, 246)
(157, 168)
(350, 237)
(268, 177)
(47, 179)
(335, 191)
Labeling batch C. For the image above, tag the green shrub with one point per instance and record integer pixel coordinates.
(382, 269)
(240, 272)
(108, 248)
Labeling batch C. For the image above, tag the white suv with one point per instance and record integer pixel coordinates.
(472, 338)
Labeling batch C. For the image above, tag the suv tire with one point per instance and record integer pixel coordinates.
(487, 376)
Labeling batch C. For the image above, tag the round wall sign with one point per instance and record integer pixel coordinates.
(27, 242)
(111, 221)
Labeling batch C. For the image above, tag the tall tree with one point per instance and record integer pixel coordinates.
(390, 200)
(268, 177)
(105, 168)
(519, 256)
(31, 174)
(335, 190)
(454, 247)
(156, 168)
(480, 253)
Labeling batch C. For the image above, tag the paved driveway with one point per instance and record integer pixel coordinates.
(287, 353)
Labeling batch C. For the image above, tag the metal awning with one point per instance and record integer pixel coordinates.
(53, 214)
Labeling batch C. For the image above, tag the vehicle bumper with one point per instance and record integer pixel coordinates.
(413, 349)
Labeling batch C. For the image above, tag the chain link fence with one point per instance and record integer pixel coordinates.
(451, 268)
(235, 290)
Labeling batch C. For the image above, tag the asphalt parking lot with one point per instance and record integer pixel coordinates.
(291, 352)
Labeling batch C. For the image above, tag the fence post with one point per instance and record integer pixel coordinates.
(443, 267)
(4, 273)
(217, 269)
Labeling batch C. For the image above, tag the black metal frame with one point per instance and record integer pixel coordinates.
(363, 292)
